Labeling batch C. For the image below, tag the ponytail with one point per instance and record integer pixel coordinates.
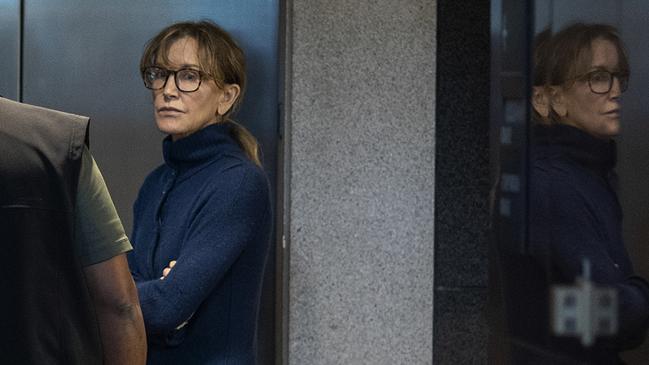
(246, 141)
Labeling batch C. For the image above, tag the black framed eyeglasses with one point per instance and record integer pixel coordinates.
(601, 81)
(187, 79)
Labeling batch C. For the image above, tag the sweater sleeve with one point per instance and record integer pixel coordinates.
(132, 265)
(565, 229)
(222, 227)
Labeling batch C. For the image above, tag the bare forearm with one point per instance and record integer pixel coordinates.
(122, 334)
(121, 325)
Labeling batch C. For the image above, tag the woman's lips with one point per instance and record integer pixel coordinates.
(169, 111)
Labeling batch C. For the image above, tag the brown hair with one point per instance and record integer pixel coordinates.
(571, 51)
(539, 73)
(540, 57)
(219, 56)
(569, 54)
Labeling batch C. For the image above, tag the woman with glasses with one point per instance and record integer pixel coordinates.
(202, 220)
(574, 209)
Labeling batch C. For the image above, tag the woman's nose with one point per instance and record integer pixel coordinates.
(616, 89)
(170, 88)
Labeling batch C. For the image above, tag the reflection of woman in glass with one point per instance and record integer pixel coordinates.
(202, 220)
(574, 210)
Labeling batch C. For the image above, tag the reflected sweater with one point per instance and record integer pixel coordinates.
(575, 214)
(208, 208)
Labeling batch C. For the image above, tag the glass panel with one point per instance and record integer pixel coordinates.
(575, 290)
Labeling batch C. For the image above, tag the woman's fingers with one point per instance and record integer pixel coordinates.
(167, 269)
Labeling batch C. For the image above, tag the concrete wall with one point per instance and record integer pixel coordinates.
(360, 152)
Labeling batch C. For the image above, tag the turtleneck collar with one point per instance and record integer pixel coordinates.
(199, 147)
(594, 153)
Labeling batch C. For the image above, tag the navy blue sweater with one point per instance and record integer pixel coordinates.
(208, 208)
(575, 214)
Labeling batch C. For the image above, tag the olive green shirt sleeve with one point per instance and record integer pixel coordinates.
(99, 234)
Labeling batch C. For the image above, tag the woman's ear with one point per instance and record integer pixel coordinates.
(540, 101)
(230, 94)
(557, 101)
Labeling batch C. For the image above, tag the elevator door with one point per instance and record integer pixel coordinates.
(82, 57)
(10, 43)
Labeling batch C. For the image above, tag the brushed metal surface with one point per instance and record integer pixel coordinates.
(82, 57)
(10, 43)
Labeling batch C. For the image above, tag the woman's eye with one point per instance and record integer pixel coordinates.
(155, 75)
(600, 77)
(189, 76)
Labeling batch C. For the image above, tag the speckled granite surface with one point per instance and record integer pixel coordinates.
(362, 182)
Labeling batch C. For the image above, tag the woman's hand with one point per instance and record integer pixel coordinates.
(167, 269)
(165, 273)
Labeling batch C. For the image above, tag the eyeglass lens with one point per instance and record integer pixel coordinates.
(601, 82)
(187, 80)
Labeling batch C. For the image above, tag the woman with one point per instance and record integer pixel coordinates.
(574, 210)
(202, 220)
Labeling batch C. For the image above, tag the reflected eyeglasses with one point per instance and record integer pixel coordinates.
(187, 79)
(601, 81)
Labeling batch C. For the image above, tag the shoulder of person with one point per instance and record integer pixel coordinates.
(239, 181)
(155, 175)
(233, 166)
(554, 166)
(554, 180)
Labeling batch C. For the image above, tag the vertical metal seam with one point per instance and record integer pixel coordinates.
(551, 12)
(21, 47)
(286, 74)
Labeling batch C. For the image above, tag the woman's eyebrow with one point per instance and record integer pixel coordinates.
(184, 65)
(604, 68)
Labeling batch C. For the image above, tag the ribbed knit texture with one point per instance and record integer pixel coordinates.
(208, 208)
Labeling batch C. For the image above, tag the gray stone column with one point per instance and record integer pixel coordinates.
(360, 155)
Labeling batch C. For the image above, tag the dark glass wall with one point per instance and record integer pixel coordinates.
(461, 182)
(508, 146)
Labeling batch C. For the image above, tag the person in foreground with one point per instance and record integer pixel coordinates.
(574, 209)
(68, 296)
(202, 220)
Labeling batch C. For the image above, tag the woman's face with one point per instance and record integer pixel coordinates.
(181, 113)
(596, 114)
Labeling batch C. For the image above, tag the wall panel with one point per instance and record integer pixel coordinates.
(10, 43)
